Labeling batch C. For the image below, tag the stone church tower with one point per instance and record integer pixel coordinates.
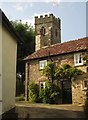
(48, 31)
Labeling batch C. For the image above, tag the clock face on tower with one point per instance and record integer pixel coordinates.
(42, 31)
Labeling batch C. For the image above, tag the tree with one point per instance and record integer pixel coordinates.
(26, 46)
(33, 92)
(86, 57)
(66, 72)
(63, 72)
(86, 105)
(50, 94)
(27, 33)
(86, 101)
(49, 70)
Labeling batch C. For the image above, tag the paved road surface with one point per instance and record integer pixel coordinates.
(27, 110)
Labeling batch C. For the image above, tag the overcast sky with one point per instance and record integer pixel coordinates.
(72, 15)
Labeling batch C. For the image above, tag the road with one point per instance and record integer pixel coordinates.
(27, 110)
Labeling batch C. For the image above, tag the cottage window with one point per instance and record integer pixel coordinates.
(42, 64)
(42, 85)
(85, 84)
(78, 60)
(87, 69)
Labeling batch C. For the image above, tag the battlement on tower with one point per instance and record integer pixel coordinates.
(47, 27)
(46, 19)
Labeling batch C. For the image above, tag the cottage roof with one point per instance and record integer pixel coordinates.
(5, 22)
(61, 48)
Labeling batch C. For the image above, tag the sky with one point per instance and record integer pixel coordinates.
(72, 14)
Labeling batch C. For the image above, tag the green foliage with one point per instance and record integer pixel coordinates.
(66, 72)
(49, 70)
(50, 94)
(63, 72)
(26, 46)
(33, 92)
(42, 96)
(27, 33)
(86, 108)
(86, 105)
(21, 97)
(86, 57)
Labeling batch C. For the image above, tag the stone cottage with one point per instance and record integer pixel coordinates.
(8, 55)
(48, 45)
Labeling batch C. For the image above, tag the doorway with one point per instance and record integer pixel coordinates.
(66, 92)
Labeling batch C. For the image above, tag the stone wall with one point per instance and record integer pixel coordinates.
(52, 27)
(35, 73)
(26, 80)
(78, 94)
(59, 60)
(78, 91)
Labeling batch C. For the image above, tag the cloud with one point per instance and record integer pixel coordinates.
(56, 2)
(31, 4)
(42, 1)
(21, 6)
(47, 1)
(32, 20)
(29, 21)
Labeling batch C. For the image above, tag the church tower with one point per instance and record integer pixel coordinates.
(48, 31)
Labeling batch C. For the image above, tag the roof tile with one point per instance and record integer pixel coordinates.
(61, 48)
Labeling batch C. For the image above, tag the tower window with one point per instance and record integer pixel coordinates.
(56, 32)
(51, 33)
(42, 31)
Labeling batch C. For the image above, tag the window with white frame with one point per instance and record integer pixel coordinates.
(85, 84)
(42, 85)
(42, 64)
(78, 59)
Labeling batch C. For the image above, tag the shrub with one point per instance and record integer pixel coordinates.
(86, 106)
(49, 71)
(50, 94)
(21, 97)
(33, 92)
(42, 96)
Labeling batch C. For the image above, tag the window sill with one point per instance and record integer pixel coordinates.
(78, 65)
(85, 89)
(40, 69)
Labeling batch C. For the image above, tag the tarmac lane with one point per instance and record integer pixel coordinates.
(25, 110)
